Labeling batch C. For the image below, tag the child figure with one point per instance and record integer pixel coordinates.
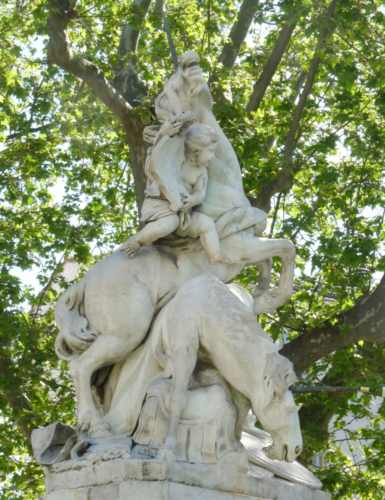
(171, 195)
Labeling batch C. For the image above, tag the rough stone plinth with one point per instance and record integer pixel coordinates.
(134, 479)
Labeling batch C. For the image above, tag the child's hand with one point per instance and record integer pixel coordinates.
(188, 201)
(175, 207)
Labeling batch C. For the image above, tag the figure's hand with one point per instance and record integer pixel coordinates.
(188, 201)
(185, 116)
(174, 126)
(150, 133)
(171, 128)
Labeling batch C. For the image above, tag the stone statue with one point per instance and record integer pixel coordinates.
(167, 359)
(176, 184)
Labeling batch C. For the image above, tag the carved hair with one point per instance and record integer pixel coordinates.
(189, 57)
(199, 136)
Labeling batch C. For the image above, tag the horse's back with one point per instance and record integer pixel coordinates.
(119, 300)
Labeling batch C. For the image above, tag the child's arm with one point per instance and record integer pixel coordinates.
(199, 192)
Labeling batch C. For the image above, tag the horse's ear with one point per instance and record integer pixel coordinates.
(278, 376)
(291, 377)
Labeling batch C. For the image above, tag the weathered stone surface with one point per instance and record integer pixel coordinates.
(152, 479)
(65, 494)
(89, 473)
(166, 490)
(108, 492)
(157, 490)
(182, 491)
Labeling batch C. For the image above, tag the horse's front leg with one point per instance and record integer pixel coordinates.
(288, 266)
(275, 297)
(264, 279)
(249, 249)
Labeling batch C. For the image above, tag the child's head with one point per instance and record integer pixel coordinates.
(200, 144)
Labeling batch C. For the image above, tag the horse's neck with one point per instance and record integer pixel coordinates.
(172, 103)
(230, 170)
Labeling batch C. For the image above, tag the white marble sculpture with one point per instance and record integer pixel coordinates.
(176, 184)
(166, 358)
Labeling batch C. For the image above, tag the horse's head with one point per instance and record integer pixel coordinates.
(279, 413)
(282, 422)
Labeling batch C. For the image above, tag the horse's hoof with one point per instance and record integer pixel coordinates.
(100, 430)
(80, 449)
(83, 425)
(91, 424)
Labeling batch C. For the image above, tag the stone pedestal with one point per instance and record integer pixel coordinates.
(136, 479)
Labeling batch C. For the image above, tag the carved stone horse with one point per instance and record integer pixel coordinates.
(206, 315)
(108, 313)
(209, 322)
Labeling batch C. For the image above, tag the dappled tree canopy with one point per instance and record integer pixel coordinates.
(299, 90)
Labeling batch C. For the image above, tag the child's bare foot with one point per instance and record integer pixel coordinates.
(131, 246)
(220, 259)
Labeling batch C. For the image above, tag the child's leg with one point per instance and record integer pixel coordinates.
(151, 232)
(204, 227)
(160, 228)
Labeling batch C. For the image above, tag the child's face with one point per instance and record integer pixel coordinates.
(203, 156)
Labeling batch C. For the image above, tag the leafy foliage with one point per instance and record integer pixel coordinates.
(67, 192)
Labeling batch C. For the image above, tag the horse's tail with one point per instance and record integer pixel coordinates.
(75, 335)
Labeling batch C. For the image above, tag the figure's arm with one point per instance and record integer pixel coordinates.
(174, 125)
(168, 129)
(166, 183)
(174, 198)
(169, 194)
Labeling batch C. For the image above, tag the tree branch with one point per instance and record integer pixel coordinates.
(137, 160)
(35, 309)
(285, 176)
(322, 388)
(60, 14)
(271, 65)
(127, 81)
(238, 32)
(166, 28)
(365, 321)
(131, 31)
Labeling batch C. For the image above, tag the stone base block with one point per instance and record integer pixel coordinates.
(146, 490)
(137, 479)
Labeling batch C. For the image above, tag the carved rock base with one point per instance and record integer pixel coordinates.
(133, 479)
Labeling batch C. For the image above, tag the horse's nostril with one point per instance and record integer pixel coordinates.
(297, 450)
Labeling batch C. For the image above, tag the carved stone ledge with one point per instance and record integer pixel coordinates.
(133, 479)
